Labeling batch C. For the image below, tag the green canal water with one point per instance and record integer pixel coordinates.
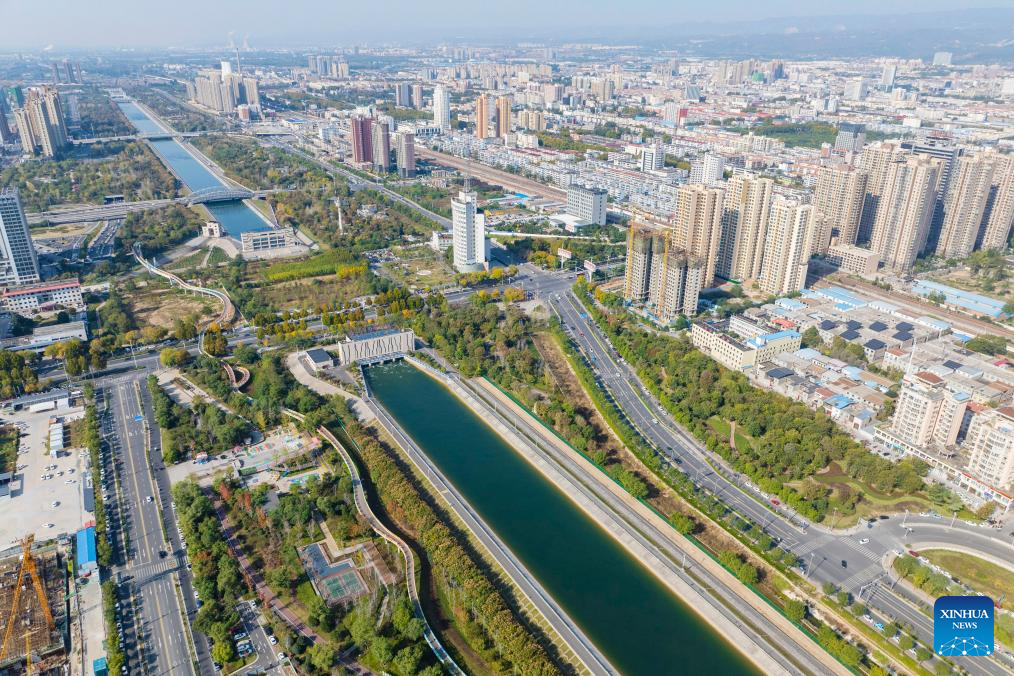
(636, 621)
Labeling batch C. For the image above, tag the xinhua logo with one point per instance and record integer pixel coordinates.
(963, 626)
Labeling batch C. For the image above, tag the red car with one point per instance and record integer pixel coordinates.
(774, 501)
(914, 553)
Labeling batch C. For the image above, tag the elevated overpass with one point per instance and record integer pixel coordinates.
(102, 212)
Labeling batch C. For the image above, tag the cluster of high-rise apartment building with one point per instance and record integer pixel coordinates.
(898, 200)
(492, 116)
(924, 199)
(370, 140)
(741, 231)
(226, 91)
(328, 65)
(743, 205)
(39, 120)
(66, 72)
(936, 419)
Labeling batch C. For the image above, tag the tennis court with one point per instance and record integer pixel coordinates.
(345, 584)
(337, 582)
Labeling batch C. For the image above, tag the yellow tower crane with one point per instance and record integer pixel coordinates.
(29, 569)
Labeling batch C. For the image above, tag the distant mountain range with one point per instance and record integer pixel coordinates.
(973, 35)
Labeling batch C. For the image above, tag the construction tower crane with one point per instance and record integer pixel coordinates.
(27, 568)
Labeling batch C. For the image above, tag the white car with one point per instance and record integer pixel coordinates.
(149, 499)
(55, 503)
(49, 525)
(864, 541)
(281, 656)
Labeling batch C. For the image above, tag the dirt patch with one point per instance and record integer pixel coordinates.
(162, 307)
(661, 497)
(64, 230)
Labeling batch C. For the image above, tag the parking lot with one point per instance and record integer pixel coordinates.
(46, 495)
(257, 642)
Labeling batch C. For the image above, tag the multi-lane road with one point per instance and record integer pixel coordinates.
(162, 639)
(834, 556)
(154, 571)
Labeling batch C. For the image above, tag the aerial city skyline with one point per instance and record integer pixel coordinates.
(583, 338)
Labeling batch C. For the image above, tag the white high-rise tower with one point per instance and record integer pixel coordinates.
(18, 262)
(468, 233)
(441, 108)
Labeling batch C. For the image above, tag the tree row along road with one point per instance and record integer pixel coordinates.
(821, 549)
(363, 505)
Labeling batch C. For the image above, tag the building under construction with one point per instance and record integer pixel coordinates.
(29, 626)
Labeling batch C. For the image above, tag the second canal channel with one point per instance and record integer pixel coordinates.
(634, 619)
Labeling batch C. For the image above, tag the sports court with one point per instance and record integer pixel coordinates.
(335, 581)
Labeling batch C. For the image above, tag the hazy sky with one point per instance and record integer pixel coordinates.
(34, 24)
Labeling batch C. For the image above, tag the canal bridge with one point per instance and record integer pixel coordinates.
(218, 194)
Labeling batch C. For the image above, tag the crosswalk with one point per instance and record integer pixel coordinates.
(862, 577)
(155, 568)
(813, 545)
(860, 549)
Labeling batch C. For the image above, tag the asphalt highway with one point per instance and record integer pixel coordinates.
(834, 556)
(163, 636)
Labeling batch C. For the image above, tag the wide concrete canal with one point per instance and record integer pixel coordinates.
(235, 216)
(639, 625)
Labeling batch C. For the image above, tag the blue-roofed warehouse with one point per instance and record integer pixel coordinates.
(973, 302)
(842, 297)
(87, 555)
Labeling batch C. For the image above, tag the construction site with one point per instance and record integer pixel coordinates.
(33, 615)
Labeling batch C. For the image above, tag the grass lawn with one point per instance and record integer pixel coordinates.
(309, 293)
(190, 261)
(873, 503)
(419, 267)
(722, 428)
(218, 256)
(984, 576)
